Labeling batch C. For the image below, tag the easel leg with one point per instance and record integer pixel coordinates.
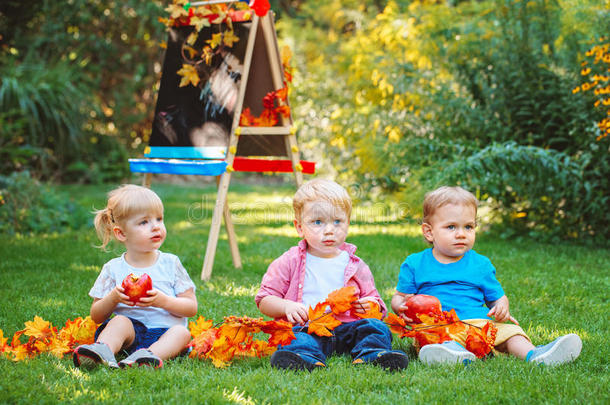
(293, 152)
(210, 251)
(226, 212)
(147, 180)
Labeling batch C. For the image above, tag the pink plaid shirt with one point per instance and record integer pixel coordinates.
(286, 274)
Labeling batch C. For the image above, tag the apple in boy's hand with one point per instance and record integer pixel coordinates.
(422, 304)
(136, 287)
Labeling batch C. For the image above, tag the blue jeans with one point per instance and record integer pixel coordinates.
(363, 339)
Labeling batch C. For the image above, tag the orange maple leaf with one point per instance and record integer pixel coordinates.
(372, 312)
(58, 347)
(260, 348)
(37, 328)
(341, 300)
(280, 332)
(3, 340)
(222, 352)
(320, 322)
(200, 326)
(397, 325)
(481, 341)
(203, 342)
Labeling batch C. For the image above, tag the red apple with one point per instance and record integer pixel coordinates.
(136, 287)
(422, 304)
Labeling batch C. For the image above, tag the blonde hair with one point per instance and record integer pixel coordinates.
(320, 189)
(124, 202)
(447, 195)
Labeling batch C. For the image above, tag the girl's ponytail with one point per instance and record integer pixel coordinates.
(103, 226)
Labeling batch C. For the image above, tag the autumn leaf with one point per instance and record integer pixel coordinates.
(200, 326)
(215, 41)
(203, 342)
(246, 119)
(341, 300)
(222, 352)
(320, 322)
(192, 38)
(58, 347)
(189, 75)
(260, 348)
(176, 11)
(199, 22)
(229, 38)
(37, 328)
(3, 341)
(397, 324)
(372, 312)
(280, 332)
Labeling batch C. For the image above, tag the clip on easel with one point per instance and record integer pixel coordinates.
(262, 72)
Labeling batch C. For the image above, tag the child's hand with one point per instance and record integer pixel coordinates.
(500, 311)
(155, 298)
(121, 297)
(398, 306)
(296, 312)
(363, 304)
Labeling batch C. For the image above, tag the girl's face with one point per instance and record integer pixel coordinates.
(451, 230)
(324, 227)
(143, 232)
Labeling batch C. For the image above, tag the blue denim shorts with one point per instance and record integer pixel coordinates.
(144, 336)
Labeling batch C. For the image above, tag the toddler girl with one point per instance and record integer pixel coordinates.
(154, 328)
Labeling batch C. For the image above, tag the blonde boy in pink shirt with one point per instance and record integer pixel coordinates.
(305, 275)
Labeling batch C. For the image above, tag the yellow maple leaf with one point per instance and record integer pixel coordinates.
(3, 341)
(176, 11)
(189, 75)
(192, 38)
(222, 352)
(229, 38)
(200, 326)
(58, 347)
(200, 22)
(37, 328)
(215, 41)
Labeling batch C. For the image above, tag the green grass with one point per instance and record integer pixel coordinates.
(554, 289)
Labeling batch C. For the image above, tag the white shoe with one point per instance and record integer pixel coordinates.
(450, 352)
(562, 350)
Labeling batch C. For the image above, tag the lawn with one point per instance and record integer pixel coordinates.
(553, 290)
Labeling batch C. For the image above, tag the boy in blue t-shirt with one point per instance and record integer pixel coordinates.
(466, 281)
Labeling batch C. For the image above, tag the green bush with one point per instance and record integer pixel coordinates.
(28, 207)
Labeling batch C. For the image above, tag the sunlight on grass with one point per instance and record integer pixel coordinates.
(233, 290)
(286, 231)
(390, 229)
(237, 397)
(73, 371)
(83, 267)
(182, 225)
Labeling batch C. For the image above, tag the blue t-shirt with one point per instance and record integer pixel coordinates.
(465, 285)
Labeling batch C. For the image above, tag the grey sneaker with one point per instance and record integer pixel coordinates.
(142, 357)
(89, 356)
(562, 350)
(450, 352)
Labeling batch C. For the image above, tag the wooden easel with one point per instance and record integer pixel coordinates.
(262, 68)
(268, 43)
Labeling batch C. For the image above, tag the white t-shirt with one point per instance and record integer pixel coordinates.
(168, 276)
(323, 276)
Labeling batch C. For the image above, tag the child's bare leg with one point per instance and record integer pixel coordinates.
(171, 343)
(516, 345)
(118, 333)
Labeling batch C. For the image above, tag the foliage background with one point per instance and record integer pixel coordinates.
(391, 97)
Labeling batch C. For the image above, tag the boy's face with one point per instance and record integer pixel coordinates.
(451, 230)
(324, 227)
(142, 233)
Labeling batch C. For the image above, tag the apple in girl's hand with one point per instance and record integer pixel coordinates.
(136, 287)
(422, 304)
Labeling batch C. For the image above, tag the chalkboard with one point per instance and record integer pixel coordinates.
(202, 116)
